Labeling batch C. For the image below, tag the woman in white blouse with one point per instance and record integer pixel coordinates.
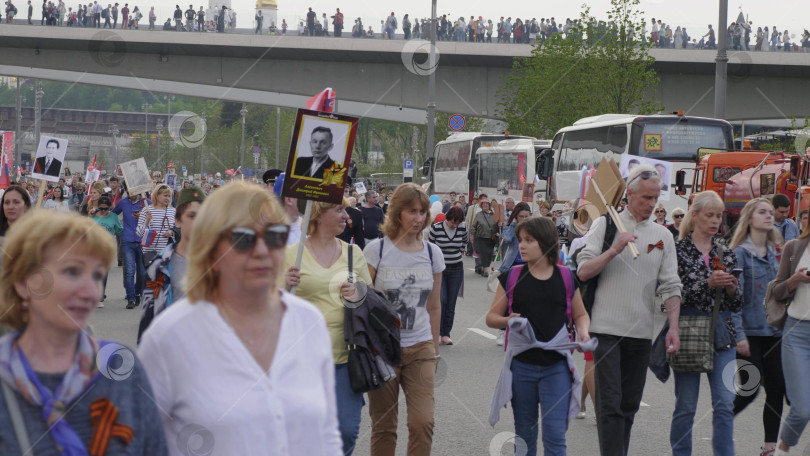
(58, 202)
(239, 366)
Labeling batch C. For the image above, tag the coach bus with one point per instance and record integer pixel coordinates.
(496, 164)
(671, 138)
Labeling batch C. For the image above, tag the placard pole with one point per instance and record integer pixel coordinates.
(304, 229)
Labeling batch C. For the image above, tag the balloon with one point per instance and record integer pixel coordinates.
(435, 209)
(434, 199)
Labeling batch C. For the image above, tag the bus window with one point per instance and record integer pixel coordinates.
(503, 171)
(453, 156)
(678, 140)
(587, 147)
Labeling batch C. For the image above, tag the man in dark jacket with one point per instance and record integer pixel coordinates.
(354, 227)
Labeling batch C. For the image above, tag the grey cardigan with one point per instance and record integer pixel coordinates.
(522, 338)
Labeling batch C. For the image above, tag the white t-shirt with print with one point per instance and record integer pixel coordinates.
(406, 279)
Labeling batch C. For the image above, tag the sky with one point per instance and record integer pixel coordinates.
(695, 15)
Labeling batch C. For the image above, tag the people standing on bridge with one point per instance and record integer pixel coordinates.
(283, 26)
(152, 18)
(311, 22)
(164, 276)
(712, 44)
(178, 18)
(539, 376)
(221, 19)
(30, 12)
(754, 242)
(60, 12)
(136, 18)
(705, 266)
(258, 18)
(781, 211)
(114, 12)
(391, 26)
(452, 238)
(96, 14)
(105, 14)
(50, 360)
(201, 20)
(326, 257)
(622, 315)
(190, 14)
(134, 269)
(786, 40)
(484, 234)
(274, 394)
(125, 16)
(408, 271)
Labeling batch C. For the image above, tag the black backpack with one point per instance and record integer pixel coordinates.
(587, 288)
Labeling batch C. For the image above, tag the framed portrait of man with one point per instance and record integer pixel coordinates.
(320, 151)
(49, 159)
(136, 174)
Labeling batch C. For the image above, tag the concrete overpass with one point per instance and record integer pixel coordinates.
(373, 78)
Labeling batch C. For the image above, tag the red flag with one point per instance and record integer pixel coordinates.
(229, 172)
(324, 101)
(99, 166)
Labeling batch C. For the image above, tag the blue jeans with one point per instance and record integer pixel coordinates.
(796, 368)
(452, 279)
(687, 388)
(133, 266)
(549, 386)
(349, 408)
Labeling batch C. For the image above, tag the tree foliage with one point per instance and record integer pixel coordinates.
(596, 68)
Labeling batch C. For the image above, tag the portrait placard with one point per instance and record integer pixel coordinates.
(321, 147)
(50, 156)
(136, 174)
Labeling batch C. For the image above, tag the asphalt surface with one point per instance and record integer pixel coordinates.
(466, 379)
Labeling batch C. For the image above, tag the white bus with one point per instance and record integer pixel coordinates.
(495, 164)
(673, 138)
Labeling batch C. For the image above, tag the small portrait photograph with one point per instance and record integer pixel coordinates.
(136, 174)
(664, 169)
(49, 159)
(321, 144)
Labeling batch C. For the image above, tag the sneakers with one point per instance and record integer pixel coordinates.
(445, 340)
(100, 305)
(131, 305)
(501, 338)
(581, 415)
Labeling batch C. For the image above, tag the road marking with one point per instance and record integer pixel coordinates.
(644, 404)
(481, 332)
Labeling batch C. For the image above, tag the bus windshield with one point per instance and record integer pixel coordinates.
(677, 139)
(503, 171)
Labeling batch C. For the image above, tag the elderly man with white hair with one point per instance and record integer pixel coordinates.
(624, 305)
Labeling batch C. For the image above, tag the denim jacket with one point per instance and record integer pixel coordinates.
(509, 246)
(757, 272)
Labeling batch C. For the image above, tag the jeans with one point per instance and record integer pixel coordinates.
(796, 367)
(452, 279)
(621, 372)
(349, 407)
(549, 386)
(415, 374)
(766, 357)
(687, 389)
(133, 264)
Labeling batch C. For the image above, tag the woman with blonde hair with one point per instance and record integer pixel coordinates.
(322, 280)
(240, 361)
(90, 206)
(660, 215)
(755, 242)
(698, 250)
(159, 219)
(56, 377)
(677, 217)
(409, 271)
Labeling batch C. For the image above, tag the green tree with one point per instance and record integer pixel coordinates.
(597, 68)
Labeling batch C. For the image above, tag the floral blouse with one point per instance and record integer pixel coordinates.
(694, 276)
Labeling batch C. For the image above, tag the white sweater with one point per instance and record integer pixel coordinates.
(204, 378)
(625, 298)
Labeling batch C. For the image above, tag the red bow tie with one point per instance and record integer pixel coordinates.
(658, 245)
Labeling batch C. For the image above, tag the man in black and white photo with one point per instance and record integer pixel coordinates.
(135, 176)
(49, 164)
(320, 144)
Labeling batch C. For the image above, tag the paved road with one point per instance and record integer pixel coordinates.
(467, 375)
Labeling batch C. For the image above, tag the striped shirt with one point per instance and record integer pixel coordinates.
(162, 222)
(452, 247)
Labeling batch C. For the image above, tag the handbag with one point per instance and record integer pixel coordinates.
(492, 280)
(368, 371)
(775, 311)
(696, 354)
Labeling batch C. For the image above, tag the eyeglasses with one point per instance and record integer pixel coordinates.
(103, 209)
(678, 216)
(660, 211)
(644, 175)
(244, 238)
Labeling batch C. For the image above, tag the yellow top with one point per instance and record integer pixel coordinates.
(266, 4)
(321, 287)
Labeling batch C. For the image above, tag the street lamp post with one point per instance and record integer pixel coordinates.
(721, 63)
(159, 128)
(145, 108)
(113, 130)
(431, 106)
(18, 134)
(243, 112)
(202, 153)
(38, 114)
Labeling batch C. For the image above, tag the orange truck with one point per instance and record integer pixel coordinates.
(739, 176)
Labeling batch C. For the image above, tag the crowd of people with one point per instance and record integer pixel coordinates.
(227, 279)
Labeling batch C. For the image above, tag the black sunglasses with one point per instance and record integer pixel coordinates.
(644, 175)
(678, 216)
(103, 208)
(244, 238)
